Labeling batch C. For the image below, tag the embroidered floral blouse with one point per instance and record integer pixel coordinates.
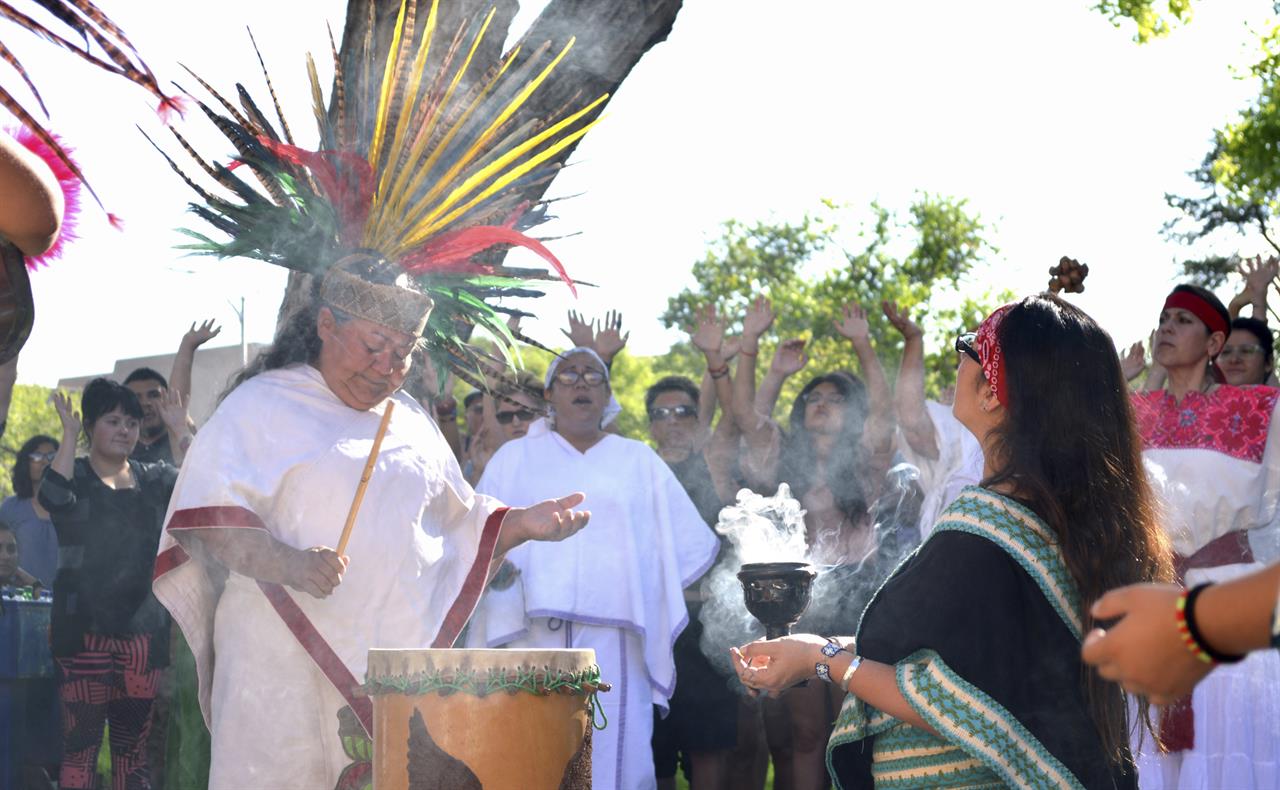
(1214, 460)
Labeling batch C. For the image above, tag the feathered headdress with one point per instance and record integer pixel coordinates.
(428, 177)
(101, 42)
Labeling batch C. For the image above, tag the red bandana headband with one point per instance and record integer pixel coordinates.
(987, 344)
(1186, 300)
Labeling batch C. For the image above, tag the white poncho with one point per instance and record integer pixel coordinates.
(284, 454)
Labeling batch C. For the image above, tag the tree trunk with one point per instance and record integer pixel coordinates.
(612, 36)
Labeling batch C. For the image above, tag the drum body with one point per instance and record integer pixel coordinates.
(492, 719)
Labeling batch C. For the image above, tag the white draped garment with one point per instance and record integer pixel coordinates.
(1214, 461)
(616, 586)
(282, 453)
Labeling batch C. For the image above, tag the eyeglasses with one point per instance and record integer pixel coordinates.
(8, 548)
(523, 415)
(46, 457)
(964, 345)
(660, 413)
(592, 378)
(1249, 350)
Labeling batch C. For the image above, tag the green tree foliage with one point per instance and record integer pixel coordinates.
(1151, 18)
(30, 413)
(919, 258)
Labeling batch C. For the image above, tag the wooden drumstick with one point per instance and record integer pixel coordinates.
(364, 478)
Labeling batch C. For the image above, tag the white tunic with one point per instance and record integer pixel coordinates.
(618, 584)
(284, 454)
(959, 464)
(1214, 461)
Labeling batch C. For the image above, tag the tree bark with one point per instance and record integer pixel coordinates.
(612, 36)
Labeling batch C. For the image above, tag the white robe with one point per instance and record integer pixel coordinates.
(1218, 472)
(959, 464)
(284, 454)
(617, 586)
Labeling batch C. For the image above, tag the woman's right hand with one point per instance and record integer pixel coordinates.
(317, 570)
(68, 415)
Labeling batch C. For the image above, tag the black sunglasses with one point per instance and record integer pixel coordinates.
(964, 345)
(506, 417)
(659, 413)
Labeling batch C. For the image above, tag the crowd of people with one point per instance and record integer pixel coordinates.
(1065, 496)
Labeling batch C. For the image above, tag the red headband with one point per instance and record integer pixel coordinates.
(987, 344)
(1186, 300)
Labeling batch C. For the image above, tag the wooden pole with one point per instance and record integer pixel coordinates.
(364, 478)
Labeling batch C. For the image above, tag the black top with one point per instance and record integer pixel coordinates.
(107, 541)
(968, 599)
(694, 474)
(158, 451)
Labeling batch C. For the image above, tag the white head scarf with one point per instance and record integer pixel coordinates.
(612, 409)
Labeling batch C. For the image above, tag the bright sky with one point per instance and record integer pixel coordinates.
(1063, 133)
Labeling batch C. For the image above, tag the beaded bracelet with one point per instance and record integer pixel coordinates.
(1191, 634)
(1180, 614)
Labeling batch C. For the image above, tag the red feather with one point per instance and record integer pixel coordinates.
(349, 190)
(170, 105)
(452, 251)
(68, 181)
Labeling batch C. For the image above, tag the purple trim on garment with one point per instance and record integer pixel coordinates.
(702, 571)
(622, 715)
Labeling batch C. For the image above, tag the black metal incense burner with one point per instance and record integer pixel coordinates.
(777, 593)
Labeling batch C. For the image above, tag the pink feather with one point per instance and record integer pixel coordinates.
(70, 185)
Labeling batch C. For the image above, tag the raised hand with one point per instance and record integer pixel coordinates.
(708, 337)
(790, 358)
(1133, 362)
(197, 336)
(730, 348)
(901, 321)
(579, 331)
(610, 340)
(67, 415)
(853, 324)
(1258, 273)
(758, 319)
(316, 571)
(173, 410)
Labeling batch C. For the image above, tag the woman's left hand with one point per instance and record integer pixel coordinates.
(771, 666)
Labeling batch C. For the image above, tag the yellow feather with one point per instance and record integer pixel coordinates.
(482, 142)
(381, 199)
(496, 166)
(384, 97)
(398, 192)
(501, 183)
(421, 171)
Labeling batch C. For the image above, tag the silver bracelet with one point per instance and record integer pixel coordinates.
(848, 673)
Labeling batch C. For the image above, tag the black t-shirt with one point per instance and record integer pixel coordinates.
(694, 474)
(107, 541)
(158, 451)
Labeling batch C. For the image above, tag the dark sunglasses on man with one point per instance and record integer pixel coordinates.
(523, 415)
(964, 345)
(660, 413)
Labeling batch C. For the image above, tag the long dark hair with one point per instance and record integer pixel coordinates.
(295, 342)
(23, 487)
(845, 470)
(1071, 451)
